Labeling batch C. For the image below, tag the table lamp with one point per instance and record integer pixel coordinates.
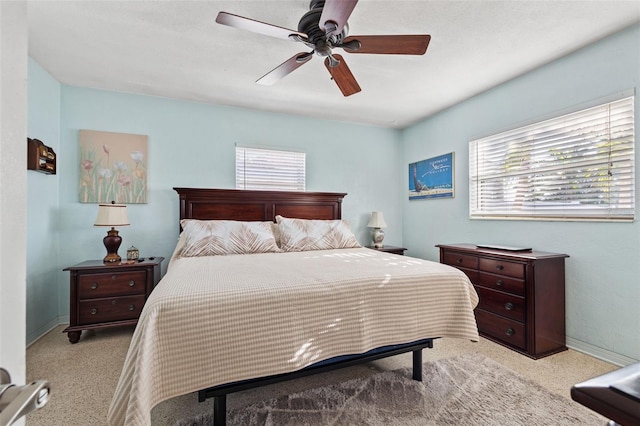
(377, 222)
(112, 215)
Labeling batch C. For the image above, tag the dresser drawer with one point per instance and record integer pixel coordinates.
(92, 286)
(502, 267)
(112, 309)
(503, 304)
(460, 260)
(471, 273)
(502, 283)
(503, 329)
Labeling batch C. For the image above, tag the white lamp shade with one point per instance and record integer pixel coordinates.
(112, 215)
(377, 220)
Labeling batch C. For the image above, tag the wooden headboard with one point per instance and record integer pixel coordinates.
(246, 205)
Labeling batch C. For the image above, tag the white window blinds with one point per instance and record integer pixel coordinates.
(579, 166)
(266, 169)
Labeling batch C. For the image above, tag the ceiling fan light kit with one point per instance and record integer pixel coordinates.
(323, 28)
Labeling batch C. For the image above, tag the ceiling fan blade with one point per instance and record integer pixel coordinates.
(341, 74)
(284, 69)
(335, 12)
(252, 25)
(387, 44)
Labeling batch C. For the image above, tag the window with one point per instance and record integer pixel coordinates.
(578, 166)
(266, 169)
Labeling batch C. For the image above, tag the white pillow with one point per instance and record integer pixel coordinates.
(220, 237)
(309, 234)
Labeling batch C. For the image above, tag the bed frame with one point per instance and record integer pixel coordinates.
(246, 205)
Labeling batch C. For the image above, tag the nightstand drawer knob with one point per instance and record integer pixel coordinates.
(132, 283)
(499, 267)
(508, 306)
(499, 283)
(94, 286)
(131, 308)
(510, 332)
(94, 311)
(459, 260)
(113, 277)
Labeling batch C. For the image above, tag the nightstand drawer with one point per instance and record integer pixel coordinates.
(92, 286)
(461, 260)
(502, 267)
(113, 309)
(497, 327)
(502, 283)
(502, 304)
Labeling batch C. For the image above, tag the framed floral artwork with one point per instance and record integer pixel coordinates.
(113, 167)
(432, 178)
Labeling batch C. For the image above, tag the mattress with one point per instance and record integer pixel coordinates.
(219, 319)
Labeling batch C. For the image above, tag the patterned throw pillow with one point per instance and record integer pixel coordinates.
(219, 237)
(306, 234)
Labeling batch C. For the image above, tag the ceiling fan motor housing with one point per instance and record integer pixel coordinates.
(309, 25)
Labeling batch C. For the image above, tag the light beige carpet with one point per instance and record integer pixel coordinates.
(465, 390)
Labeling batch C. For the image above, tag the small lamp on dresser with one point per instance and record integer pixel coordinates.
(112, 215)
(377, 223)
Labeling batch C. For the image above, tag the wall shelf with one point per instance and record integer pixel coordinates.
(40, 157)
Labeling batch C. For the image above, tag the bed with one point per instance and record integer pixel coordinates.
(217, 324)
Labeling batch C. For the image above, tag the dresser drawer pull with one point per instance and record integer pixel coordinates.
(510, 332)
(94, 311)
(459, 260)
(132, 283)
(499, 283)
(131, 308)
(508, 306)
(94, 286)
(113, 277)
(499, 267)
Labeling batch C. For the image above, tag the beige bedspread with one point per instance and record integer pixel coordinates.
(214, 320)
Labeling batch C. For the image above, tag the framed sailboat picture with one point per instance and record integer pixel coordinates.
(432, 178)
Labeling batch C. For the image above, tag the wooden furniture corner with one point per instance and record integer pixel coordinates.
(615, 395)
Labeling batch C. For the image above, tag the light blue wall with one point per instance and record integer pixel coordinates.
(603, 272)
(43, 266)
(192, 144)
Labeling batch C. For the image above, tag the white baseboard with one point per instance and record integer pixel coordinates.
(600, 353)
(39, 333)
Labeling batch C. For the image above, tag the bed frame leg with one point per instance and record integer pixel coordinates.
(417, 365)
(220, 410)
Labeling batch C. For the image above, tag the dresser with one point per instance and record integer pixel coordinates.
(107, 295)
(522, 296)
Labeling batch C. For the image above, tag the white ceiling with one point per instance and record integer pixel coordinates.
(175, 49)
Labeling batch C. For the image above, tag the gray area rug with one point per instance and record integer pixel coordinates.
(466, 390)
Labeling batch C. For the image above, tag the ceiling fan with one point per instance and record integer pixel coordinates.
(323, 28)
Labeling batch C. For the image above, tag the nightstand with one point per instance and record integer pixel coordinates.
(390, 249)
(107, 295)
